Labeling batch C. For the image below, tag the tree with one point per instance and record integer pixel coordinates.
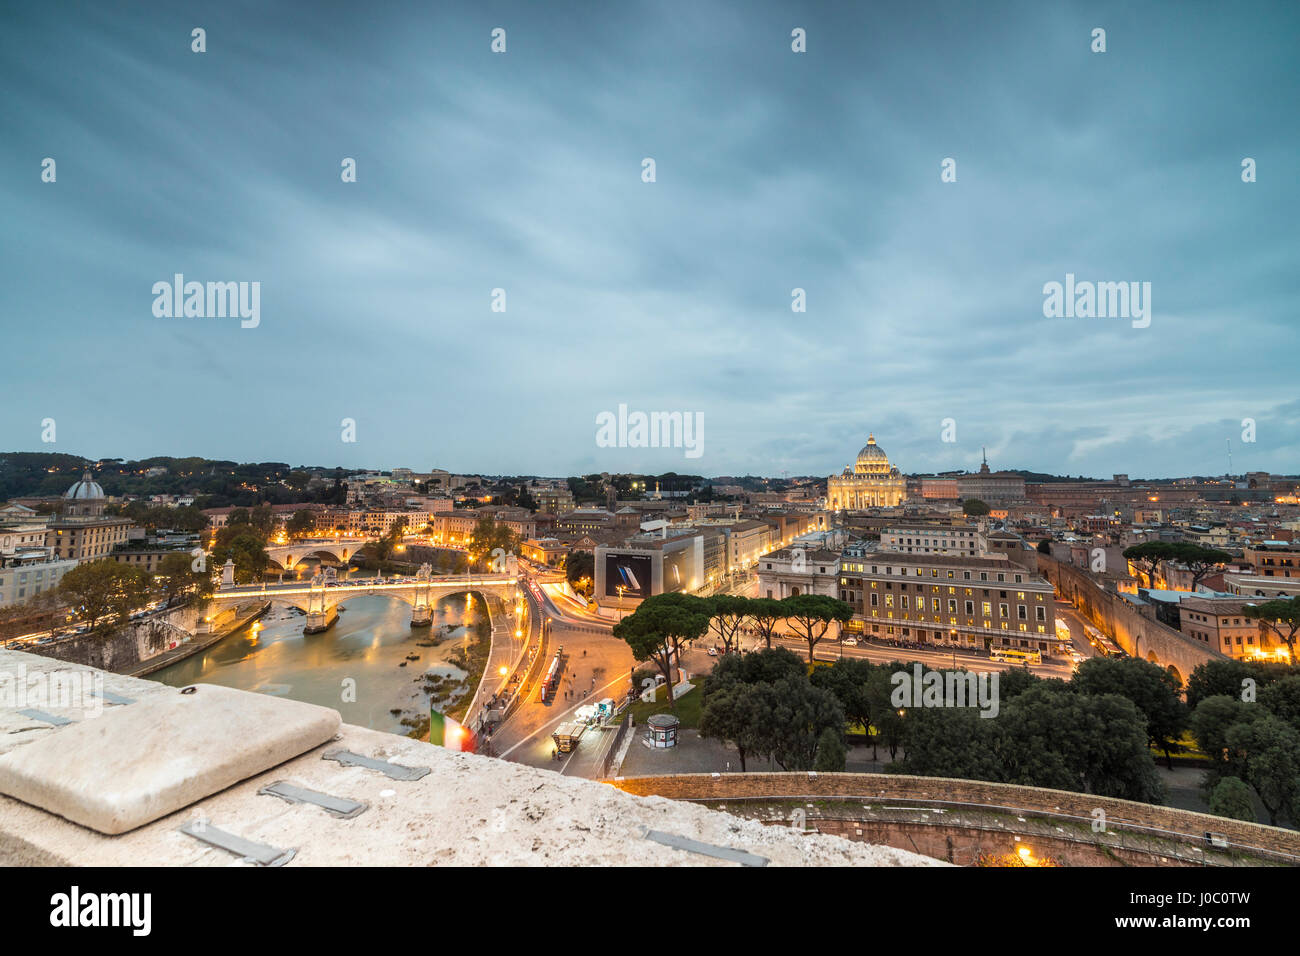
(1210, 723)
(729, 612)
(104, 592)
(244, 545)
(491, 539)
(1270, 749)
(1147, 556)
(1151, 688)
(761, 667)
(1282, 699)
(1231, 798)
(974, 507)
(658, 629)
(1281, 616)
(831, 752)
(811, 616)
(741, 714)
(949, 742)
(885, 718)
(301, 524)
(1051, 736)
(801, 715)
(580, 571)
(765, 613)
(847, 679)
(177, 576)
(1199, 560)
(88, 588)
(263, 519)
(1045, 546)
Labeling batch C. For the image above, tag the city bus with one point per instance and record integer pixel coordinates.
(551, 680)
(1009, 656)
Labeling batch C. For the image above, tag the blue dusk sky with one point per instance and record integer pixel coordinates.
(774, 171)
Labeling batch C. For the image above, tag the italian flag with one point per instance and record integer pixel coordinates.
(445, 732)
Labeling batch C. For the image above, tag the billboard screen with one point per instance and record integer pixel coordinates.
(678, 568)
(629, 571)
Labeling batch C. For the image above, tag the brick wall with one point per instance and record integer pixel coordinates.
(1120, 814)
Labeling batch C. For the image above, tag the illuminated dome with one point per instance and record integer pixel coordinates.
(872, 460)
(86, 488)
(872, 482)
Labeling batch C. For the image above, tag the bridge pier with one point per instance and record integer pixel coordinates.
(318, 621)
(321, 613)
(422, 604)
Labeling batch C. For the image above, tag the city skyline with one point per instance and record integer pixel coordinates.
(423, 468)
(776, 171)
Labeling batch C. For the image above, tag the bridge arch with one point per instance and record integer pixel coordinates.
(288, 555)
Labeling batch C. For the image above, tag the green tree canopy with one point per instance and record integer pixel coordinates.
(831, 752)
(1153, 690)
(1281, 616)
(1231, 798)
(811, 615)
(660, 627)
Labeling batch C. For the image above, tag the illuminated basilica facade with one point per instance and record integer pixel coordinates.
(871, 483)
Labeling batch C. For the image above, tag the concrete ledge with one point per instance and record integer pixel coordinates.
(467, 810)
(131, 765)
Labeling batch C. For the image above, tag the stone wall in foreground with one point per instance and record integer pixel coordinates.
(1144, 829)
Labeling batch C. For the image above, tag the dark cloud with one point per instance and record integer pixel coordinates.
(775, 171)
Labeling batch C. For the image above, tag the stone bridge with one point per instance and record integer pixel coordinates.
(320, 597)
(340, 549)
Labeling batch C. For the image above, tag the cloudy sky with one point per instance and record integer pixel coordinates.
(775, 170)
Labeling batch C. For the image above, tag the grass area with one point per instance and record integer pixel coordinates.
(1185, 748)
(687, 709)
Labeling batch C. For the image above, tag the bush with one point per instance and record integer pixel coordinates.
(1231, 799)
(831, 752)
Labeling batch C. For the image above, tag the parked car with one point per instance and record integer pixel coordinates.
(851, 641)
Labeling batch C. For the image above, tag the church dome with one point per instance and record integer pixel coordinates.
(871, 452)
(86, 488)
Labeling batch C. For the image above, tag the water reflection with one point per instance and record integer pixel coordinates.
(367, 645)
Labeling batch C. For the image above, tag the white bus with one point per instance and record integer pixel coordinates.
(1010, 656)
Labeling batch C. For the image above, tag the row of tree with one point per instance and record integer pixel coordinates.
(103, 594)
(1089, 735)
(664, 624)
(1148, 556)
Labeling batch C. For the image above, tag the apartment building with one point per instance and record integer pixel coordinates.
(980, 602)
(933, 539)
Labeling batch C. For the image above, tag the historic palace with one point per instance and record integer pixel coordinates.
(872, 482)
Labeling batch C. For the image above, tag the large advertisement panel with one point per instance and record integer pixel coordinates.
(678, 569)
(631, 572)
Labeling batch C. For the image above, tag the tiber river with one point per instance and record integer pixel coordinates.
(370, 641)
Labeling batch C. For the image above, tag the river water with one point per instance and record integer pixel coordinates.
(367, 645)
